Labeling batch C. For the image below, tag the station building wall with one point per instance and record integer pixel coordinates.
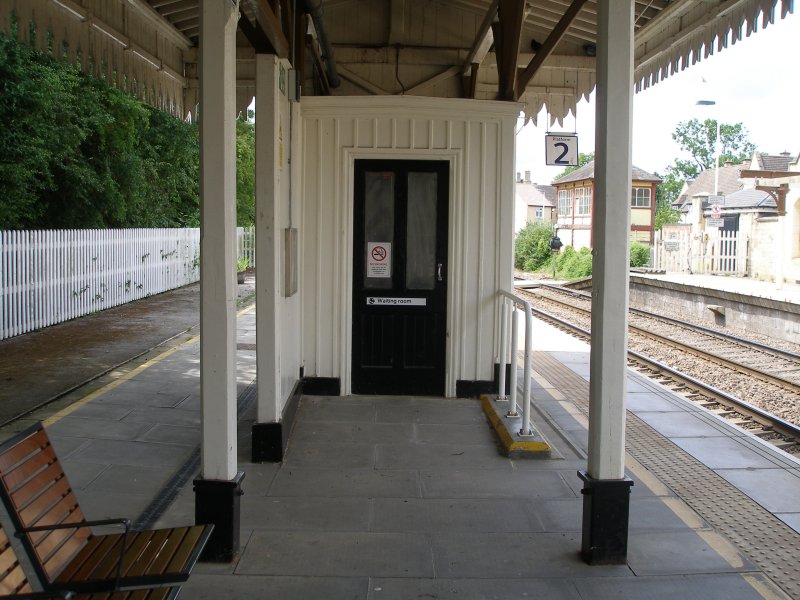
(477, 138)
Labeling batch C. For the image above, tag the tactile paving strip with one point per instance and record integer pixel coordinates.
(763, 538)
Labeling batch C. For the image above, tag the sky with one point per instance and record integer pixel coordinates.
(754, 82)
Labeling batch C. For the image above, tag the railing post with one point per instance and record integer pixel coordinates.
(512, 398)
(526, 373)
(501, 376)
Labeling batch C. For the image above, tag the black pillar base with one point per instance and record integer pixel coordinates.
(267, 442)
(606, 505)
(217, 501)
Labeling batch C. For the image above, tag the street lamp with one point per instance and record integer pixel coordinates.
(716, 145)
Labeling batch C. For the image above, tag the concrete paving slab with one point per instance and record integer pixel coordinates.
(81, 474)
(360, 432)
(435, 433)
(724, 453)
(680, 425)
(259, 478)
(165, 416)
(792, 519)
(442, 411)
(413, 515)
(651, 402)
(133, 453)
(707, 587)
(775, 490)
(299, 482)
(680, 553)
(340, 456)
(315, 553)
(65, 445)
(331, 410)
(202, 586)
(439, 456)
(96, 410)
(126, 478)
(113, 505)
(79, 427)
(485, 483)
(514, 556)
(172, 434)
(305, 514)
(472, 589)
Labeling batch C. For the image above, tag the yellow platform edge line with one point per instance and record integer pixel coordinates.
(54, 418)
(505, 437)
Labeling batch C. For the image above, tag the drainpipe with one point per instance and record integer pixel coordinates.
(313, 9)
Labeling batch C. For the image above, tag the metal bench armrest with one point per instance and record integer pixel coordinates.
(99, 523)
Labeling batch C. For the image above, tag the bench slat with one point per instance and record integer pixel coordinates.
(36, 491)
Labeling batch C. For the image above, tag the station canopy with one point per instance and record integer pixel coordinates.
(538, 52)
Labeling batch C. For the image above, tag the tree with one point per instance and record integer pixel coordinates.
(245, 172)
(77, 153)
(583, 159)
(699, 140)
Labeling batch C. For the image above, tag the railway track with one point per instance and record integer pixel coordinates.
(749, 383)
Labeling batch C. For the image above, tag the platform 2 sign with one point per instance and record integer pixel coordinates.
(561, 150)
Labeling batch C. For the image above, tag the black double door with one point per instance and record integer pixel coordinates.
(400, 277)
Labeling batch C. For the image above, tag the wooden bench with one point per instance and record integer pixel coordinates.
(60, 542)
(14, 583)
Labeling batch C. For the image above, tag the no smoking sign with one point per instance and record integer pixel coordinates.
(379, 259)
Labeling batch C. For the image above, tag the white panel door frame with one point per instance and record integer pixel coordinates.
(347, 163)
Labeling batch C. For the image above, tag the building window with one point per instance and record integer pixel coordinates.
(539, 212)
(583, 201)
(564, 203)
(640, 197)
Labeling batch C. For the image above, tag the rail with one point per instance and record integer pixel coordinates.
(510, 317)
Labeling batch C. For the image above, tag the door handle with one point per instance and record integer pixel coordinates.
(439, 272)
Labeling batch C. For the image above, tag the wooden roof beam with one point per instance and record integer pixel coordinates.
(480, 48)
(270, 26)
(507, 35)
(547, 48)
(255, 35)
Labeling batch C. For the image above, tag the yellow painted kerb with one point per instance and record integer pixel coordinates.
(508, 442)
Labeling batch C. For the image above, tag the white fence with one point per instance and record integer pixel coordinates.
(713, 252)
(47, 277)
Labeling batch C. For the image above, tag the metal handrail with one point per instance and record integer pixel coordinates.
(505, 297)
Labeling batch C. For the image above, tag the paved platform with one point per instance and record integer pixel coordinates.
(786, 292)
(398, 497)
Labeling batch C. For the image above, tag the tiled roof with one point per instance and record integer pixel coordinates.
(534, 194)
(704, 183)
(748, 198)
(587, 172)
(772, 162)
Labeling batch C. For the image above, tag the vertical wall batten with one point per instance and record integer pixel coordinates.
(462, 289)
(337, 227)
(482, 234)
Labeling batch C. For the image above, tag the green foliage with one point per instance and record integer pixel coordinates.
(583, 159)
(574, 264)
(245, 173)
(532, 246)
(640, 255)
(699, 140)
(76, 153)
(666, 193)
